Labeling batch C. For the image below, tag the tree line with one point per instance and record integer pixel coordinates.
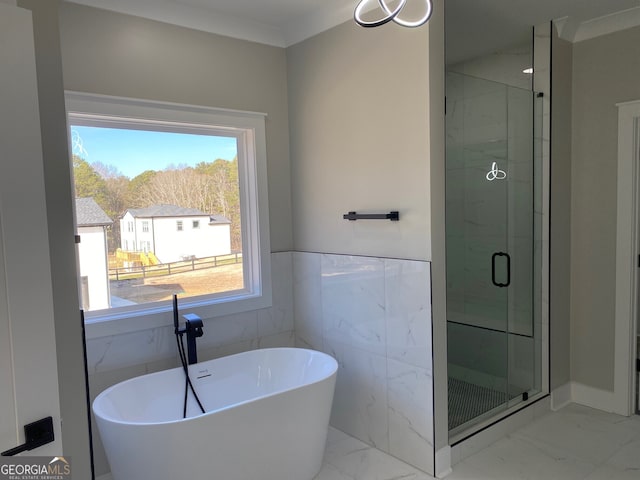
(211, 187)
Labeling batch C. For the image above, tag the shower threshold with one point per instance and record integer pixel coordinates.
(493, 418)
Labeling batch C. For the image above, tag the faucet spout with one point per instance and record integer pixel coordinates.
(193, 329)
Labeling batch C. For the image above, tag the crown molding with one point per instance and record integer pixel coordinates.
(197, 18)
(310, 25)
(607, 24)
(212, 21)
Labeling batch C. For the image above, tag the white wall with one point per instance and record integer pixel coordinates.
(127, 236)
(92, 260)
(172, 245)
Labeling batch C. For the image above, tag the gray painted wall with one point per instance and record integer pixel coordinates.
(358, 114)
(114, 54)
(605, 71)
(560, 230)
(73, 409)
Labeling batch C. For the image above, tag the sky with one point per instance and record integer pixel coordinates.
(134, 151)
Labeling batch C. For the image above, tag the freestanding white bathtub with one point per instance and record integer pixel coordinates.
(267, 416)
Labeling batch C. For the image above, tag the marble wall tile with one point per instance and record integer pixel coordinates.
(229, 329)
(410, 397)
(164, 364)
(408, 311)
(360, 400)
(504, 66)
(283, 339)
(374, 316)
(135, 348)
(279, 317)
(227, 349)
(307, 299)
(353, 301)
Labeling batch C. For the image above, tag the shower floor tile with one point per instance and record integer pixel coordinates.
(468, 401)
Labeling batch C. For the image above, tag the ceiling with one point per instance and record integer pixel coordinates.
(476, 27)
(285, 22)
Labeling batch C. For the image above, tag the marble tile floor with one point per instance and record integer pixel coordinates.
(346, 458)
(575, 443)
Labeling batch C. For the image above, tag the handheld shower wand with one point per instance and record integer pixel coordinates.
(192, 332)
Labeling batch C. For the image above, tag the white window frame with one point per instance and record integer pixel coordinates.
(249, 130)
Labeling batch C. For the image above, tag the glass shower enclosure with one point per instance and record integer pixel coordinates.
(493, 245)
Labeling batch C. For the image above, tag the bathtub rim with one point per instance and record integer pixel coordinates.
(101, 416)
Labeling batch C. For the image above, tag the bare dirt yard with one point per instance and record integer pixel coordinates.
(198, 282)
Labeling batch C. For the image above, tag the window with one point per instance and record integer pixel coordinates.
(134, 158)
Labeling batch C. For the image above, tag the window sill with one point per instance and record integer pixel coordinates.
(119, 323)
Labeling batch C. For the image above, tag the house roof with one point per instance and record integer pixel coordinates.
(215, 219)
(89, 213)
(156, 211)
(166, 211)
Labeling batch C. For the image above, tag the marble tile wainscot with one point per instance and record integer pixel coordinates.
(374, 316)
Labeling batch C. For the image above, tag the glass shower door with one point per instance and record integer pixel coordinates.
(489, 227)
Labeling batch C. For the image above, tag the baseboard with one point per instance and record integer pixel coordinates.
(561, 397)
(592, 397)
(443, 462)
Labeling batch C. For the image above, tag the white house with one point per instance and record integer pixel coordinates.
(175, 233)
(92, 223)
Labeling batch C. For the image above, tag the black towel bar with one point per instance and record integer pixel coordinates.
(352, 216)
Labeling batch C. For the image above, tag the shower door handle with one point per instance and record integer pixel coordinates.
(493, 269)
